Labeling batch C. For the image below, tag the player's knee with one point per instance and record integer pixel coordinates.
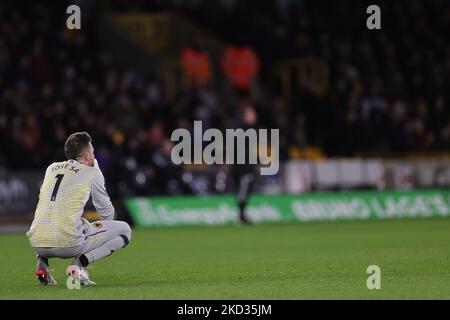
(126, 232)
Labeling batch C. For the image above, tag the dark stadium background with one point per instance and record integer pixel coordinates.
(359, 94)
(364, 123)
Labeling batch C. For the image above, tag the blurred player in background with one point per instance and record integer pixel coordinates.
(59, 230)
(244, 174)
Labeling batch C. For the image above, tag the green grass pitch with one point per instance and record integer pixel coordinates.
(277, 261)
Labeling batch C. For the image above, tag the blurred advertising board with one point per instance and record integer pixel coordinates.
(319, 206)
(187, 210)
(19, 192)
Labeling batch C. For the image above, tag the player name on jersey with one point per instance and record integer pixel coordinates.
(65, 166)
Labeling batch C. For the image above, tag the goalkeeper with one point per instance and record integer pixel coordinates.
(59, 230)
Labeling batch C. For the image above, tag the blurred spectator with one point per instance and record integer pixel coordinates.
(240, 63)
(196, 65)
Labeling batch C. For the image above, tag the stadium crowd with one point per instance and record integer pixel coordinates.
(388, 89)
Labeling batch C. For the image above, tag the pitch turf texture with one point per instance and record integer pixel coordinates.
(282, 261)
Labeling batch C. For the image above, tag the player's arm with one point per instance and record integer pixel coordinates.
(100, 197)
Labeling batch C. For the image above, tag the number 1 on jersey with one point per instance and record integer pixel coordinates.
(55, 189)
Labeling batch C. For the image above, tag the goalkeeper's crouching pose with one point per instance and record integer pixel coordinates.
(59, 230)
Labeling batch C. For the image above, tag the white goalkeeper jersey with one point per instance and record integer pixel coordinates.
(64, 192)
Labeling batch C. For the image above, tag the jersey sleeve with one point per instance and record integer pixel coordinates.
(100, 197)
